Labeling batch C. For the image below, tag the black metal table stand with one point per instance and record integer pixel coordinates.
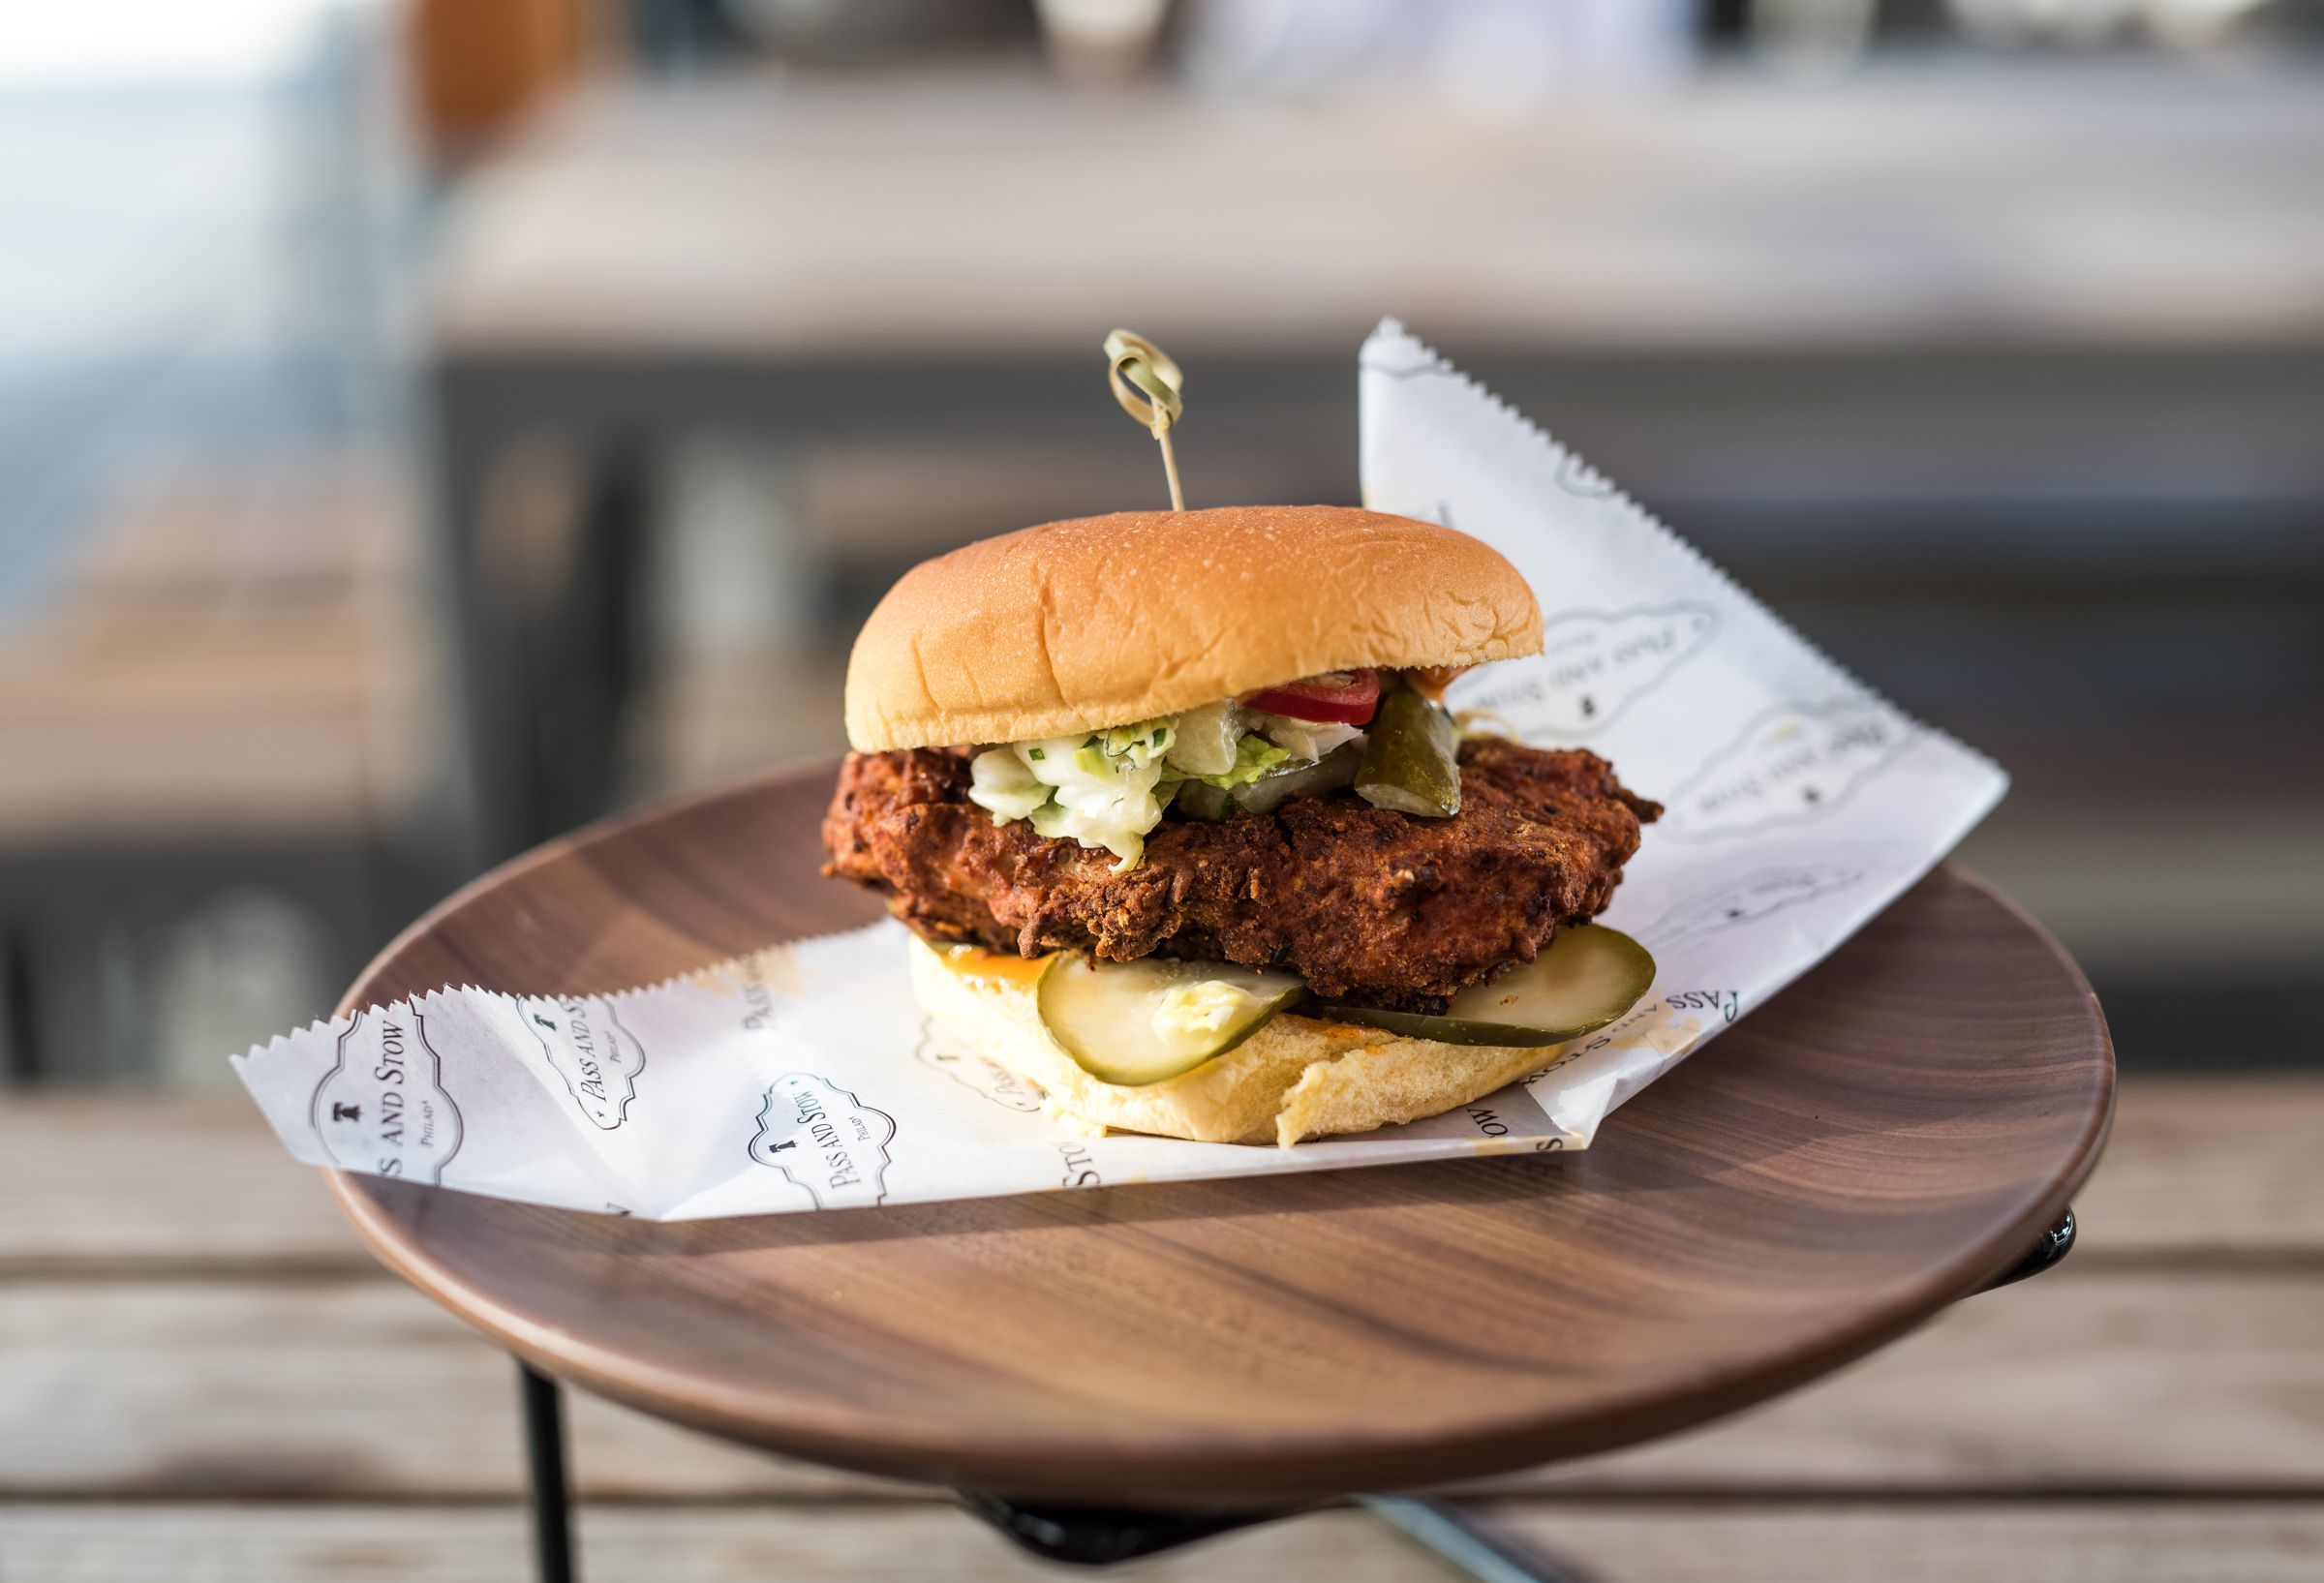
(544, 1464)
(1103, 1536)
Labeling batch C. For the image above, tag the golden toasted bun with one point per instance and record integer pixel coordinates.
(1104, 621)
(1297, 1076)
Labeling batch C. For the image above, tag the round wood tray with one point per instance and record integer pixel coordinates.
(1896, 1128)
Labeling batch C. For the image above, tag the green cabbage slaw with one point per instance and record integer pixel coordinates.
(1109, 788)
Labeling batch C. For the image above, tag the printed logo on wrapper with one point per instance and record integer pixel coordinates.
(1577, 477)
(1728, 1003)
(1081, 1167)
(979, 1073)
(586, 1046)
(1791, 765)
(1593, 665)
(1735, 902)
(382, 1108)
(825, 1140)
(1492, 1125)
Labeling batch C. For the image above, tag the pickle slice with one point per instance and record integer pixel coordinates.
(1586, 977)
(1285, 781)
(1412, 761)
(1197, 801)
(1303, 777)
(1137, 1023)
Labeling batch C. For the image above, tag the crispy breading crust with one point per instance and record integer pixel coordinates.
(1364, 904)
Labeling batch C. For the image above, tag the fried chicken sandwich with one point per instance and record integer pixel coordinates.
(1188, 841)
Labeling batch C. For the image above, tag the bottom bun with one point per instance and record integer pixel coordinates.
(1296, 1078)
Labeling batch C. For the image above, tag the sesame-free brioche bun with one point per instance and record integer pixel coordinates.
(1105, 621)
(1295, 1077)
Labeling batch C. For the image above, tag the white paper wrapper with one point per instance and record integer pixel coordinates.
(1800, 802)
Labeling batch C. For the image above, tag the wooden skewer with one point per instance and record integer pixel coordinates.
(1148, 384)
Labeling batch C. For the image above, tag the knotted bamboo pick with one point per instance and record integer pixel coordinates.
(1148, 384)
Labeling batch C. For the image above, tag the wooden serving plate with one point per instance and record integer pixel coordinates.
(1895, 1129)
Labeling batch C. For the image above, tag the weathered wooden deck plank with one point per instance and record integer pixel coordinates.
(192, 1182)
(2271, 1541)
(2203, 1165)
(2209, 1168)
(184, 1319)
(2089, 1378)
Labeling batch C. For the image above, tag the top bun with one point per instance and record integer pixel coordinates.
(1105, 621)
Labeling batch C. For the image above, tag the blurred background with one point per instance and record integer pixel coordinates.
(427, 425)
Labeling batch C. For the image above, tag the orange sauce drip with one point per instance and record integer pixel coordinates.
(1005, 967)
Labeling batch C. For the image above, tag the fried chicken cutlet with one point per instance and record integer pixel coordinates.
(1368, 906)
